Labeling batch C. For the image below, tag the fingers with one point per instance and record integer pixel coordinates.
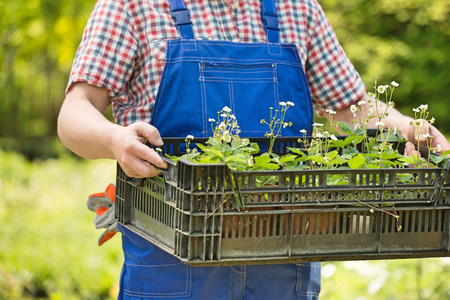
(136, 159)
(422, 133)
(410, 149)
(148, 133)
(418, 131)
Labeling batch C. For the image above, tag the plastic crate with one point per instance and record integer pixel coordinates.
(193, 213)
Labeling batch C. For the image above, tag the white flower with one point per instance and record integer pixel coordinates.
(303, 131)
(379, 124)
(211, 120)
(330, 111)
(425, 135)
(282, 103)
(353, 108)
(333, 137)
(319, 135)
(226, 109)
(395, 84)
(317, 125)
(362, 102)
(222, 126)
(232, 117)
(391, 103)
(382, 88)
(326, 134)
(285, 124)
(416, 110)
(290, 103)
(224, 115)
(357, 126)
(190, 137)
(395, 129)
(227, 138)
(438, 148)
(423, 107)
(432, 120)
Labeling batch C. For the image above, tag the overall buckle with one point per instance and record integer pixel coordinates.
(181, 17)
(270, 22)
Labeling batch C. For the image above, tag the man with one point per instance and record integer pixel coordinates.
(166, 66)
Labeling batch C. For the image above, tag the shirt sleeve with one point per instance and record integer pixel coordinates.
(333, 80)
(106, 54)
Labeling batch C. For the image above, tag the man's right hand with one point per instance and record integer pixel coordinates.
(135, 158)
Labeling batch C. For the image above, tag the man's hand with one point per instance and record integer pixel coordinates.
(135, 158)
(429, 138)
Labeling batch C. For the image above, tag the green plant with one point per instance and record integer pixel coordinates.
(360, 148)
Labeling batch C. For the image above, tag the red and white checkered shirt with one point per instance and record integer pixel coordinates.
(123, 48)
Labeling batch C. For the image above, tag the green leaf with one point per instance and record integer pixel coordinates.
(215, 153)
(316, 158)
(408, 159)
(264, 162)
(446, 153)
(338, 161)
(436, 159)
(356, 162)
(297, 151)
(337, 144)
(345, 127)
(331, 155)
(353, 139)
(350, 151)
(287, 158)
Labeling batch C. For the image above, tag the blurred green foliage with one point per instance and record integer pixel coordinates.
(49, 243)
(402, 40)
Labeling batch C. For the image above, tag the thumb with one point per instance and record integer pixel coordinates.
(148, 133)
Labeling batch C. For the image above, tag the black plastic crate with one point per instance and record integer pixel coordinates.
(206, 215)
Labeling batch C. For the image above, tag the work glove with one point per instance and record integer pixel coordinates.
(103, 205)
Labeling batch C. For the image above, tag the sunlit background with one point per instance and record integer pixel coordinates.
(48, 247)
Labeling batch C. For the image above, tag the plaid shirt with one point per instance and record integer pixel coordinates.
(123, 48)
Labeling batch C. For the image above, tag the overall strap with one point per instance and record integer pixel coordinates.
(270, 21)
(180, 15)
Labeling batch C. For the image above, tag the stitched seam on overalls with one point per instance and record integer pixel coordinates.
(275, 83)
(243, 280)
(231, 91)
(247, 61)
(203, 98)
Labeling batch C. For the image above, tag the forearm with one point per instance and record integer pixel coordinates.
(85, 130)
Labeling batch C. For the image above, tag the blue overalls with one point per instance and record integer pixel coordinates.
(199, 79)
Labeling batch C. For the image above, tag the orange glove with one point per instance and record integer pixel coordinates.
(103, 205)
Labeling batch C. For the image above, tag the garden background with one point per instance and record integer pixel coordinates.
(48, 244)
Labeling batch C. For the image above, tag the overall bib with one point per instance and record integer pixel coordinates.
(199, 79)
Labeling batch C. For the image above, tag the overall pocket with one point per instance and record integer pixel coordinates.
(248, 89)
(157, 281)
(308, 279)
(149, 272)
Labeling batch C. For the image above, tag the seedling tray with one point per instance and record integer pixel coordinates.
(204, 214)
